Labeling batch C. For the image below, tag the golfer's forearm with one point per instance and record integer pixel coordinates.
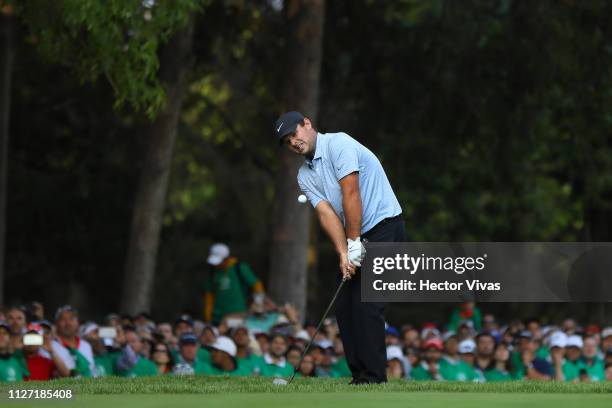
(332, 226)
(351, 203)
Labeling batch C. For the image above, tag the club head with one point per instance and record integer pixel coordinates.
(279, 381)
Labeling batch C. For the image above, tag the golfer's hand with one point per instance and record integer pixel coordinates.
(356, 251)
(347, 270)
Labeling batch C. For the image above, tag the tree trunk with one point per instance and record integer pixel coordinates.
(6, 66)
(150, 196)
(289, 253)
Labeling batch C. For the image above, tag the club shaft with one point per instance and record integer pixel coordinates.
(331, 304)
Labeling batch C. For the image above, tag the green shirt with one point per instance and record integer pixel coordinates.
(12, 369)
(595, 370)
(105, 364)
(571, 369)
(210, 369)
(143, 367)
(456, 319)
(494, 374)
(251, 364)
(340, 368)
(458, 371)
(273, 370)
(203, 354)
(228, 288)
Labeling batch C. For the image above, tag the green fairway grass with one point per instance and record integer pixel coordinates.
(311, 393)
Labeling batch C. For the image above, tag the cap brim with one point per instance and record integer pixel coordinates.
(288, 131)
(214, 260)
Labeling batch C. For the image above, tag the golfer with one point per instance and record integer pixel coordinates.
(347, 186)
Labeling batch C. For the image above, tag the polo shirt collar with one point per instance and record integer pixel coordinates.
(318, 150)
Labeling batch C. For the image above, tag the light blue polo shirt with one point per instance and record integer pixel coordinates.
(336, 156)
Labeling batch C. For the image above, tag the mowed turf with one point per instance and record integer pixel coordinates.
(311, 393)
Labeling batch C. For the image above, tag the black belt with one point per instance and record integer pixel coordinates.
(383, 222)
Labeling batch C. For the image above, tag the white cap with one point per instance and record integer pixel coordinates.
(394, 352)
(218, 252)
(324, 343)
(226, 344)
(302, 335)
(574, 341)
(606, 332)
(87, 328)
(430, 330)
(558, 339)
(467, 346)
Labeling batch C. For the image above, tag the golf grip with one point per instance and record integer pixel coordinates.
(297, 367)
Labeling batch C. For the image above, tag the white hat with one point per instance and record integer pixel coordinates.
(574, 341)
(88, 328)
(218, 252)
(467, 346)
(302, 335)
(226, 344)
(606, 332)
(324, 343)
(394, 352)
(558, 339)
(430, 331)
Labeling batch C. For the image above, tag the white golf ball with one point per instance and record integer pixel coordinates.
(302, 198)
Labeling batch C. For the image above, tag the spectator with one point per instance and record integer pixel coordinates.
(264, 342)
(324, 367)
(606, 340)
(247, 360)
(40, 367)
(12, 367)
(76, 353)
(293, 355)
(105, 357)
(392, 336)
(227, 288)
(396, 363)
(340, 366)
(183, 324)
(466, 351)
(467, 311)
(485, 347)
(165, 331)
(162, 358)
(16, 319)
(608, 371)
(489, 325)
(572, 363)
(500, 370)
(569, 326)
(591, 361)
(451, 349)
(429, 367)
(411, 337)
(557, 343)
(307, 368)
(464, 370)
(141, 366)
(275, 364)
(187, 362)
(35, 312)
(535, 368)
(223, 359)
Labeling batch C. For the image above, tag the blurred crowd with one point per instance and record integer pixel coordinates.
(269, 341)
(243, 333)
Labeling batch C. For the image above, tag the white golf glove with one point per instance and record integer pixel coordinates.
(356, 251)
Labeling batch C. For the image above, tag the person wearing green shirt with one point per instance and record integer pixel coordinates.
(430, 366)
(226, 289)
(246, 359)
(500, 371)
(573, 364)
(187, 362)
(275, 363)
(12, 366)
(223, 359)
(591, 362)
(142, 366)
(467, 311)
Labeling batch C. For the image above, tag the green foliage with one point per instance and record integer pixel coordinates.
(116, 39)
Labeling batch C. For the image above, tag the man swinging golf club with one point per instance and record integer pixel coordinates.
(347, 186)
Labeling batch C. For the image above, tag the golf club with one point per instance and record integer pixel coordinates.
(281, 381)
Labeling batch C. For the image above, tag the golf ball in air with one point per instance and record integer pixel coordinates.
(302, 198)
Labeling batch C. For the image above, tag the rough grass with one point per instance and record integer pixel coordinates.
(238, 385)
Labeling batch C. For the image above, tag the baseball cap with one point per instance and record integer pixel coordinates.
(433, 343)
(324, 343)
(574, 341)
(225, 344)
(606, 332)
(467, 346)
(286, 124)
(87, 328)
(184, 318)
(394, 352)
(558, 339)
(302, 335)
(63, 309)
(188, 338)
(392, 331)
(218, 252)
(525, 334)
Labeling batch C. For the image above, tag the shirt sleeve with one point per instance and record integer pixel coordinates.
(312, 196)
(344, 155)
(247, 274)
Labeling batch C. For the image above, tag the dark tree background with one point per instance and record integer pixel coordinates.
(491, 118)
